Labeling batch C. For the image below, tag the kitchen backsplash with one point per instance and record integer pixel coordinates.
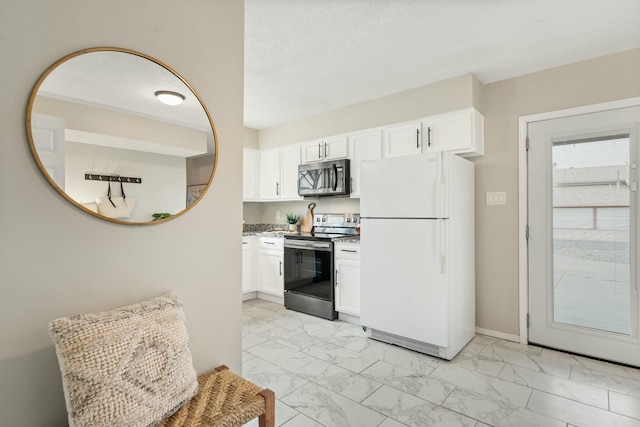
(266, 212)
(260, 228)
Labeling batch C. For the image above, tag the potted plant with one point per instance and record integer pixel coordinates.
(292, 220)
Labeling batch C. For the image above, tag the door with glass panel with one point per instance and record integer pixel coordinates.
(583, 233)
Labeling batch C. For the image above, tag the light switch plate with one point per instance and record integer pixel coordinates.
(496, 198)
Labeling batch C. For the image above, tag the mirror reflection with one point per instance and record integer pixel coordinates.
(121, 135)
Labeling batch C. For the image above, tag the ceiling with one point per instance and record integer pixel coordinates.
(305, 57)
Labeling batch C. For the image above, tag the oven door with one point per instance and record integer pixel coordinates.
(309, 278)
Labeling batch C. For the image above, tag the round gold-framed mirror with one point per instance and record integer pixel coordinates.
(122, 136)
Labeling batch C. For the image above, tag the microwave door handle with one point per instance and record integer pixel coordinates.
(335, 177)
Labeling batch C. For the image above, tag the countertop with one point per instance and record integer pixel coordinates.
(282, 233)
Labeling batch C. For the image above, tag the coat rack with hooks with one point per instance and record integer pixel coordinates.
(111, 177)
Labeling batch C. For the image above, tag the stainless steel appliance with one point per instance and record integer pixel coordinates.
(309, 276)
(330, 178)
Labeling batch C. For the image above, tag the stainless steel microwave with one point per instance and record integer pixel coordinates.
(329, 178)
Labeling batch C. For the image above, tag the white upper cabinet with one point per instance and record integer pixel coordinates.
(250, 175)
(289, 162)
(459, 132)
(363, 146)
(270, 175)
(335, 147)
(402, 140)
(279, 173)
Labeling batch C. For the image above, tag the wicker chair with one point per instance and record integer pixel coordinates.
(225, 399)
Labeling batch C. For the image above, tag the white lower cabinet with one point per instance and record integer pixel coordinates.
(347, 265)
(271, 265)
(249, 252)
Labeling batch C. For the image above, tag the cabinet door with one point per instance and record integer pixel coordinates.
(270, 175)
(402, 140)
(270, 270)
(250, 175)
(348, 286)
(289, 162)
(312, 152)
(248, 265)
(457, 132)
(363, 146)
(336, 147)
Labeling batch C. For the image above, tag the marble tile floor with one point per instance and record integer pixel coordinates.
(329, 374)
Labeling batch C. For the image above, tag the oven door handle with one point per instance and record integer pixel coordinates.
(321, 246)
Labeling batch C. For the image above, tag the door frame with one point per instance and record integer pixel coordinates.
(523, 195)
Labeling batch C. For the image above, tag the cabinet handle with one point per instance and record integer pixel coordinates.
(349, 250)
(277, 188)
(336, 278)
(319, 153)
(429, 136)
(418, 138)
(352, 184)
(245, 243)
(325, 150)
(269, 243)
(281, 268)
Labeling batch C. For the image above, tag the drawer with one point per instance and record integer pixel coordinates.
(271, 243)
(347, 251)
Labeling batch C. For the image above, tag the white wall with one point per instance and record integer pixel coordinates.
(164, 178)
(598, 80)
(56, 260)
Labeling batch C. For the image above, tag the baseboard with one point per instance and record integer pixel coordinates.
(496, 334)
(249, 295)
(350, 318)
(268, 297)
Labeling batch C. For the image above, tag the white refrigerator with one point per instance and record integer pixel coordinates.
(417, 252)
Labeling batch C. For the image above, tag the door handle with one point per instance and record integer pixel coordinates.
(335, 177)
(319, 153)
(337, 278)
(418, 138)
(429, 136)
(281, 268)
(277, 188)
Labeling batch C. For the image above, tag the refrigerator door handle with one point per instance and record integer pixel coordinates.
(439, 183)
(441, 242)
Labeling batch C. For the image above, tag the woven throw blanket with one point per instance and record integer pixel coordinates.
(127, 367)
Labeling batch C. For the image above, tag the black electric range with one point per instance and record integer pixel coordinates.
(309, 276)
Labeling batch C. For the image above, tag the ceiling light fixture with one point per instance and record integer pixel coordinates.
(169, 98)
